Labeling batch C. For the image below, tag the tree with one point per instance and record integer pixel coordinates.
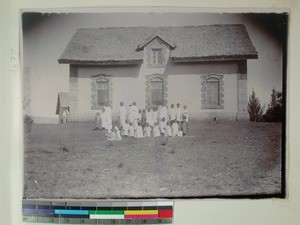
(254, 108)
(274, 110)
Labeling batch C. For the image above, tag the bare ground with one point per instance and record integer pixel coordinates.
(215, 159)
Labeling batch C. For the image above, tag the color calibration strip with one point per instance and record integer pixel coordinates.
(94, 212)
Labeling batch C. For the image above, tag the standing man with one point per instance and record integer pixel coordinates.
(65, 115)
(122, 114)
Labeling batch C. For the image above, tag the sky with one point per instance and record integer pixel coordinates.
(46, 36)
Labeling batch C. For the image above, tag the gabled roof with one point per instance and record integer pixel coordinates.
(196, 43)
(157, 36)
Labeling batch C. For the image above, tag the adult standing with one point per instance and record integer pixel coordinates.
(65, 115)
(135, 111)
(178, 113)
(108, 115)
(163, 112)
(122, 114)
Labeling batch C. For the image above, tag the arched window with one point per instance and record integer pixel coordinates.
(212, 91)
(156, 87)
(102, 91)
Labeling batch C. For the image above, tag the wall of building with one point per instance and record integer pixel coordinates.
(183, 86)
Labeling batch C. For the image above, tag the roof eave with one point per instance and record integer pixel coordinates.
(101, 62)
(212, 58)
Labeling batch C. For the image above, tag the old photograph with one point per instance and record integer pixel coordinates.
(121, 105)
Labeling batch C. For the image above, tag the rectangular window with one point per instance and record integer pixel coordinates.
(212, 93)
(102, 92)
(157, 56)
(156, 92)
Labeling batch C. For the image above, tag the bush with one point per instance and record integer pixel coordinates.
(275, 108)
(254, 108)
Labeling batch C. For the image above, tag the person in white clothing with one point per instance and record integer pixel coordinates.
(156, 132)
(97, 122)
(178, 113)
(135, 110)
(163, 126)
(65, 115)
(175, 128)
(130, 116)
(139, 131)
(103, 119)
(122, 114)
(147, 130)
(155, 116)
(118, 134)
(108, 114)
(125, 129)
(163, 112)
(172, 114)
(168, 130)
(149, 117)
(131, 130)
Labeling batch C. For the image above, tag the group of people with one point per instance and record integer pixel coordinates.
(138, 123)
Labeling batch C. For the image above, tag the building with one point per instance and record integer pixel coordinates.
(203, 67)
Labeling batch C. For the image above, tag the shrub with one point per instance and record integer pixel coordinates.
(274, 110)
(254, 108)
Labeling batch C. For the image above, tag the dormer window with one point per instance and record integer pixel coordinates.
(157, 56)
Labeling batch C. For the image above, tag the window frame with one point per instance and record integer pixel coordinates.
(156, 54)
(95, 79)
(206, 81)
(161, 91)
(98, 81)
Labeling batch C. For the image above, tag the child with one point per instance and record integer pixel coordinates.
(118, 135)
(139, 131)
(147, 130)
(175, 128)
(162, 126)
(97, 122)
(131, 130)
(125, 129)
(156, 132)
(110, 135)
(172, 113)
(179, 133)
(155, 116)
(168, 130)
